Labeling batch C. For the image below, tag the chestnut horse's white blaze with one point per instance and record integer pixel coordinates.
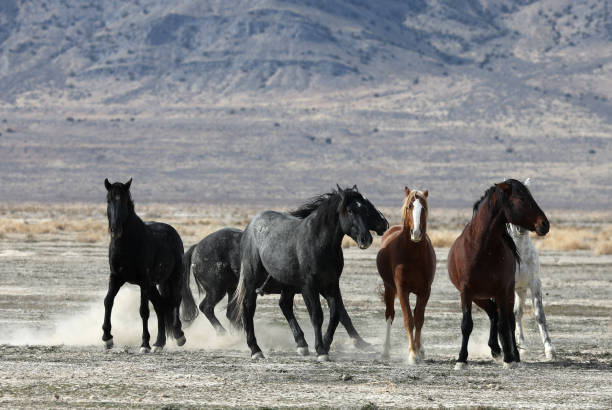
(528, 277)
(416, 233)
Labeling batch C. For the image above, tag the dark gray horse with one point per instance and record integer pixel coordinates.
(215, 265)
(146, 254)
(300, 252)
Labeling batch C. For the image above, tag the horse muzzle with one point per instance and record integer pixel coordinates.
(543, 227)
(364, 241)
(416, 236)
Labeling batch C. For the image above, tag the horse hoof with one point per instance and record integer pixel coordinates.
(550, 352)
(257, 356)
(181, 340)
(145, 350)
(461, 366)
(157, 349)
(361, 344)
(109, 343)
(412, 360)
(422, 354)
(509, 365)
(303, 351)
(385, 355)
(323, 358)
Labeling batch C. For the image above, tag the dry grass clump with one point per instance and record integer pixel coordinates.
(598, 240)
(442, 238)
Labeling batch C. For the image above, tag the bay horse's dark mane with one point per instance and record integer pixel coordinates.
(505, 235)
(329, 200)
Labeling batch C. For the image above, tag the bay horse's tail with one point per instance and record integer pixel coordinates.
(189, 309)
(236, 308)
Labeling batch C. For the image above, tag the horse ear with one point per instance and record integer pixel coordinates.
(425, 193)
(338, 188)
(406, 191)
(107, 184)
(127, 184)
(527, 182)
(505, 187)
(355, 187)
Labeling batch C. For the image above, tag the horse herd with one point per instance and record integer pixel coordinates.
(301, 252)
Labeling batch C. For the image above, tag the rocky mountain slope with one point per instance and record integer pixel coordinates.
(447, 92)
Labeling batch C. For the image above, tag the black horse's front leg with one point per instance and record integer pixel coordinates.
(466, 329)
(311, 299)
(336, 306)
(286, 305)
(144, 314)
(114, 284)
(160, 310)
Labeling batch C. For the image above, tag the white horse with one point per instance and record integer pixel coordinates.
(528, 276)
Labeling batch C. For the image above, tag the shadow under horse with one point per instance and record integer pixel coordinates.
(300, 252)
(148, 255)
(215, 265)
(482, 262)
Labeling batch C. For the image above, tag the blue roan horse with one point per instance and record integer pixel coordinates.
(146, 254)
(301, 252)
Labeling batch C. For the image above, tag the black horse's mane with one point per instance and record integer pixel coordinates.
(505, 235)
(329, 199)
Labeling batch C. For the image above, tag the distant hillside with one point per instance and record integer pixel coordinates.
(449, 94)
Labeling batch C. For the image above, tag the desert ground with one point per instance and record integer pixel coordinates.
(52, 283)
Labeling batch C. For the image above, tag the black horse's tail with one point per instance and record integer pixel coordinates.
(189, 309)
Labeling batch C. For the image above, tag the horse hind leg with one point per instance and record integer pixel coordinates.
(538, 310)
(207, 306)
(286, 304)
(171, 295)
(389, 298)
(160, 310)
(519, 304)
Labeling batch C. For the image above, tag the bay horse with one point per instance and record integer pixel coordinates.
(528, 277)
(215, 265)
(482, 263)
(406, 263)
(300, 252)
(146, 254)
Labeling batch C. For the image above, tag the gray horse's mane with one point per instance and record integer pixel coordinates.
(329, 199)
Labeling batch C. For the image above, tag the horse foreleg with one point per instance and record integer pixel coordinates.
(466, 329)
(114, 284)
(519, 303)
(160, 311)
(346, 321)
(489, 306)
(286, 304)
(144, 315)
(311, 299)
(336, 305)
(389, 297)
(419, 319)
(538, 310)
(408, 324)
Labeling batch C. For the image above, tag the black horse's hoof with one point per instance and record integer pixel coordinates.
(362, 344)
(461, 366)
(145, 350)
(158, 349)
(109, 343)
(181, 340)
(257, 356)
(323, 358)
(303, 351)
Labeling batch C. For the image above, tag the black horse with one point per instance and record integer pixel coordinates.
(300, 252)
(215, 264)
(146, 254)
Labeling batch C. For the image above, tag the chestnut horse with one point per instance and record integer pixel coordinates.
(406, 263)
(482, 263)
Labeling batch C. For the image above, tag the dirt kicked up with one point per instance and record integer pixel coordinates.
(51, 353)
